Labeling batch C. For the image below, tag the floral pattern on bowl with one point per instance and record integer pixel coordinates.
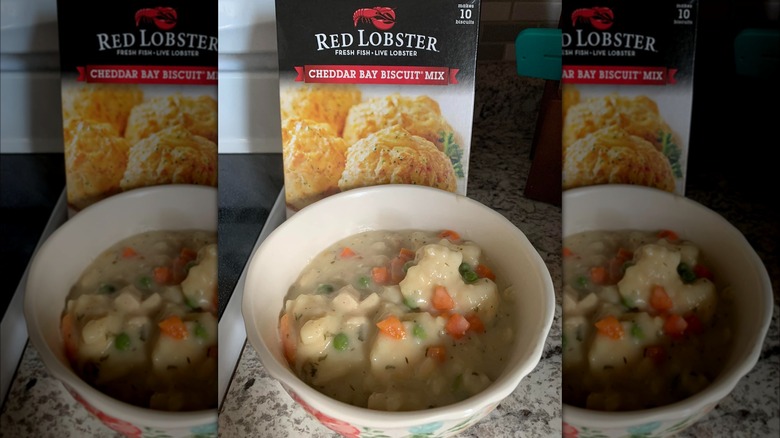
(652, 429)
(436, 429)
(130, 430)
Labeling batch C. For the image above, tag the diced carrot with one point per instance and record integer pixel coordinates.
(694, 324)
(397, 270)
(475, 323)
(288, 342)
(598, 275)
(660, 300)
(69, 336)
(406, 254)
(675, 326)
(392, 326)
(450, 235)
(162, 275)
(188, 254)
(397, 263)
(457, 325)
(567, 252)
(438, 353)
(668, 235)
(702, 271)
(656, 353)
(442, 300)
(346, 253)
(483, 271)
(616, 265)
(380, 274)
(178, 270)
(610, 327)
(615, 271)
(624, 255)
(174, 327)
(128, 252)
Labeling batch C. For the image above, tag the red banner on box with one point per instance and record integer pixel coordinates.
(148, 74)
(588, 74)
(377, 74)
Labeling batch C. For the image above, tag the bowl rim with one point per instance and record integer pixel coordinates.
(495, 393)
(725, 383)
(65, 374)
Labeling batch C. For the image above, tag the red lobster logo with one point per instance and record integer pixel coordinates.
(162, 17)
(600, 18)
(383, 18)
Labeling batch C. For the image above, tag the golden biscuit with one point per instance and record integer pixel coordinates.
(314, 158)
(320, 103)
(95, 160)
(570, 96)
(419, 115)
(637, 115)
(394, 156)
(613, 156)
(196, 114)
(104, 103)
(173, 155)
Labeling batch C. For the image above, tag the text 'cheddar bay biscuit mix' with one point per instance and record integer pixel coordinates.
(375, 94)
(627, 92)
(139, 96)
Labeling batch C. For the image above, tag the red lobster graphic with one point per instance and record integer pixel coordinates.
(164, 18)
(600, 18)
(383, 18)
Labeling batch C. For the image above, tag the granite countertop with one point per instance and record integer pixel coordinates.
(505, 116)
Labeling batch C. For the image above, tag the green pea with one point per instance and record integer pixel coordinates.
(418, 331)
(364, 282)
(144, 282)
(582, 282)
(106, 288)
(191, 304)
(410, 304)
(122, 341)
(627, 302)
(468, 274)
(686, 273)
(200, 331)
(325, 288)
(341, 342)
(636, 331)
(408, 265)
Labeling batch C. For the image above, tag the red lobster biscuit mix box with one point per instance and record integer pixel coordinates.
(139, 96)
(627, 92)
(375, 94)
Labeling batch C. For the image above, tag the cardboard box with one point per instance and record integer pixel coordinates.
(627, 92)
(378, 94)
(139, 96)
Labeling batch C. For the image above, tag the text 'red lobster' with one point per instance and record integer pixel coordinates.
(164, 18)
(600, 18)
(383, 18)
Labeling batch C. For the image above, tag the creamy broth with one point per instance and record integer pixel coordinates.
(140, 323)
(644, 323)
(398, 320)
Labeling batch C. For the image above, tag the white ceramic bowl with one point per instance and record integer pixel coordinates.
(63, 257)
(282, 256)
(729, 256)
